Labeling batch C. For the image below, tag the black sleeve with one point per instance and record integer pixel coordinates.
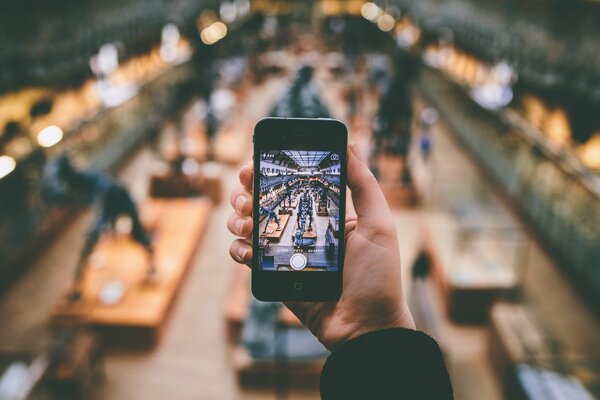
(388, 364)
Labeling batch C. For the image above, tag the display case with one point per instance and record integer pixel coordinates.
(551, 188)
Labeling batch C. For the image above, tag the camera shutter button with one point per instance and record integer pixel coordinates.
(298, 261)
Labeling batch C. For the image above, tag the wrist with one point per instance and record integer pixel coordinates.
(402, 319)
(354, 329)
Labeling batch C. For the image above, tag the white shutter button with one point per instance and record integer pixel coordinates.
(298, 261)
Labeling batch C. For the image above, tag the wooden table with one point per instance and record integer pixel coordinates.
(468, 284)
(72, 367)
(273, 234)
(390, 180)
(515, 337)
(264, 373)
(141, 314)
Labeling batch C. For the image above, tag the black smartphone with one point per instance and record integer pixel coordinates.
(299, 202)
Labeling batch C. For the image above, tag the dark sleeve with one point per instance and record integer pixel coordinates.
(388, 364)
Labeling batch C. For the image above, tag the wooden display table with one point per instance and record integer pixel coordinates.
(140, 315)
(390, 170)
(238, 303)
(518, 341)
(175, 185)
(212, 183)
(68, 368)
(285, 210)
(310, 234)
(207, 182)
(268, 372)
(273, 234)
(323, 212)
(516, 335)
(471, 281)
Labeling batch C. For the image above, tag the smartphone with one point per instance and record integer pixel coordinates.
(299, 200)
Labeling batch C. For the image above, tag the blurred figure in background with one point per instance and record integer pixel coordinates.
(301, 99)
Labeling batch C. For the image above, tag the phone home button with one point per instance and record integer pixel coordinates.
(297, 285)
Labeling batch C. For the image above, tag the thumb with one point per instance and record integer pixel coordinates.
(369, 202)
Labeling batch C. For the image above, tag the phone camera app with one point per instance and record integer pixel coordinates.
(299, 210)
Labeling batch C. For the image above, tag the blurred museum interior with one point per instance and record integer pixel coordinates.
(123, 125)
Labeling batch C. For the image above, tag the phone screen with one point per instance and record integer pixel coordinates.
(299, 216)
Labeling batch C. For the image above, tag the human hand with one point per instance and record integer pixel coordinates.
(372, 296)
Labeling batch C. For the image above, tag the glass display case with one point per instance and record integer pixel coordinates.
(552, 189)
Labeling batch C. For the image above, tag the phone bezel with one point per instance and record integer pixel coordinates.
(299, 134)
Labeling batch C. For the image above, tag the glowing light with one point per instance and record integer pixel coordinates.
(213, 33)
(590, 153)
(370, 11)
(220, 29)
(49, 136)
(170, 34)
(108, 58)
(7, 165)
(503, 73)
(208, 36)
(170, 39)
(386, 22)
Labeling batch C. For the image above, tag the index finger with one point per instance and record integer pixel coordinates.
(246, 176)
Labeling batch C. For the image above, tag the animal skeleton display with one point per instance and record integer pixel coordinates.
(63, 182)
(323, 202)
(271, 216)
(305, 209)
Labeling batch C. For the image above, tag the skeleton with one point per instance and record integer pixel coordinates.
(323, 198)
(271, 215)
(64, 182)
(305, 209)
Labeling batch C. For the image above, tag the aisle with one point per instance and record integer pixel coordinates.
(194, 360)
(465, 346)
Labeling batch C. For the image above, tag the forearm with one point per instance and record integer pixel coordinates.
(388, 364)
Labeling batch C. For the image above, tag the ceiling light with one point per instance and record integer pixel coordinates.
(49, 136)
(370, 11)
(386, 22)
(7, 165)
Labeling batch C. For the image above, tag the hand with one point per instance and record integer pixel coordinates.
(372, 294)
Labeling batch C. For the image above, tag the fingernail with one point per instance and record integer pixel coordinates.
(239, 224)
(241, 252)
(240, 201)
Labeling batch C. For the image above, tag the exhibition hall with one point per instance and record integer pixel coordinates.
(127, 133)
(303, 185)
